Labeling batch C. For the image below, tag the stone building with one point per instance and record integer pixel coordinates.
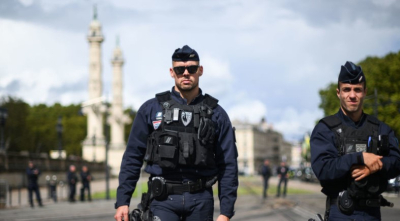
(257, 142)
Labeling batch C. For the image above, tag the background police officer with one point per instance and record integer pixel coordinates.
(33, 173)
(266, 174)
(187, 138)
(353, 154)
(86, 178)
(72, 179)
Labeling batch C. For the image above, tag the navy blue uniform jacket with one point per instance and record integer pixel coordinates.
(332, 170)
(225, 155)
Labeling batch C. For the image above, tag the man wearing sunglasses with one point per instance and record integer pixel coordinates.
(188, 143)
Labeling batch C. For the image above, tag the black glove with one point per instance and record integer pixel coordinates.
(206, 131)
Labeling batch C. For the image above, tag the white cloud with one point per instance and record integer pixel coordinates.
(251, 111)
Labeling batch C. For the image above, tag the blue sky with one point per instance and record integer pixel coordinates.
(261, 58)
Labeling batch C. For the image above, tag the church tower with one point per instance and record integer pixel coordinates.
(94, 144)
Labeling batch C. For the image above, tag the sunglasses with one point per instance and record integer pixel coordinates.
(192, 69)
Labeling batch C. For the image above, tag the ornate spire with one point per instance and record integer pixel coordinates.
(94, 12)
(117, 40)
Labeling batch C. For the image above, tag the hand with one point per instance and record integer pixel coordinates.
(222, 218)
(372, 161)
(122, 212)
(359, 172)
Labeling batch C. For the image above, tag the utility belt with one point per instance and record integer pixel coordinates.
(347, 204)
(360, 203)
(161, 188)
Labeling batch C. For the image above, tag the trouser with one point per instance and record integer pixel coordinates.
(53, 192)
(37, 192)
(85, 187)
(188, 206)
(284, 180)
(265, 187)
(72, 191)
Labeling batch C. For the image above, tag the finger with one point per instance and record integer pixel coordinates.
(117, 217)
(126, 217)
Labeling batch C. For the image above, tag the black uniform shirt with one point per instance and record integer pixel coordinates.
(225, 154)
(332, 170)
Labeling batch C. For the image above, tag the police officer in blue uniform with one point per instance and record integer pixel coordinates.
(188, 143)
(353, 154)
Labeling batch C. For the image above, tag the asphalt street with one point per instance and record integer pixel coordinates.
(251, 207)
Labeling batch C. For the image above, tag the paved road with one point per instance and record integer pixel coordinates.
(248, 208)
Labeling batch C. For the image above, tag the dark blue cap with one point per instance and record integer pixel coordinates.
(185, 54)
(351, 73)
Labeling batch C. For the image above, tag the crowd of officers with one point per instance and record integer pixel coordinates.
(72, 180)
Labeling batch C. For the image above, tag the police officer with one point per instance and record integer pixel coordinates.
(86, 178)
(188, 142)
(72, 179)
(266, 174)
(33, 173)
(282, 172)
(353, 154)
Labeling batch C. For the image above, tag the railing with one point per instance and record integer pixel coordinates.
(17, 162)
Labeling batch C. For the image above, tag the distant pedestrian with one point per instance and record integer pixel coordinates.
(72, 180)
(86, 178)
(33, 174)
(282, 172)
(266, 174)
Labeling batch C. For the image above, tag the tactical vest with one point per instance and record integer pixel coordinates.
(185, 136)
(365, 139)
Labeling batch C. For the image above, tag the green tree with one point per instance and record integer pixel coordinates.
(17, 130)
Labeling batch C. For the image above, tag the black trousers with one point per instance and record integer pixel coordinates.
(282, 180)
(85, 187)
(31, 189)
(72, 192)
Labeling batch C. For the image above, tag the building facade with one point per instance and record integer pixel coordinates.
(257, 142)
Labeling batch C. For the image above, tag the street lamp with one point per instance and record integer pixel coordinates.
(59, 129)
(3, 117)
(107, 169)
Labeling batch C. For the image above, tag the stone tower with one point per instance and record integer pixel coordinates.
(94, 144)
(117, 117)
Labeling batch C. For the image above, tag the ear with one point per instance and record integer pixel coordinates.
(338, 93)
(200, 70)
(171, 72)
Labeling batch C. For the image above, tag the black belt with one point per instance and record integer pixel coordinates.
(189, 186)
(360, 203)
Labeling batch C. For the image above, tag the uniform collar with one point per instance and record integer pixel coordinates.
(349, 122)
(182, 100)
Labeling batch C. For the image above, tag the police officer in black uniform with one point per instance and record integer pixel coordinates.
(33, 174)
(72, 179)
(187, 142)
(353, 154)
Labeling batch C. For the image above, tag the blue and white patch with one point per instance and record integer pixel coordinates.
(158, 115)
(156, 124)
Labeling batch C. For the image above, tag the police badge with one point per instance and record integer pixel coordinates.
(186, 117)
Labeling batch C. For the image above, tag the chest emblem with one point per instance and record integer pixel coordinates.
(186, 117)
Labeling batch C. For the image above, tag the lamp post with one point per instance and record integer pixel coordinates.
(3, 117)
(59, 129)
(107, 170)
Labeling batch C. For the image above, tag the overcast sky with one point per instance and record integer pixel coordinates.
(261, 58)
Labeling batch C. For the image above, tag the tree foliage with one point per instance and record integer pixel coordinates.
(383, 76)
(33, 128)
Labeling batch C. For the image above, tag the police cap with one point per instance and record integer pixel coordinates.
(185, 54)
(351, 73)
